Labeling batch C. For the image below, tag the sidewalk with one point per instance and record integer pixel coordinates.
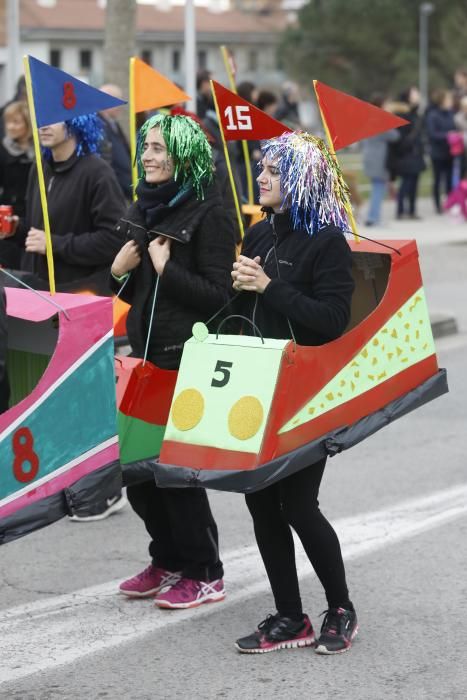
(433, 229)
(442, 246)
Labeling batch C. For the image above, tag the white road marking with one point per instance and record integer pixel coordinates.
(59, 630)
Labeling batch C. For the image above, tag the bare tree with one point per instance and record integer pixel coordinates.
(119, 44)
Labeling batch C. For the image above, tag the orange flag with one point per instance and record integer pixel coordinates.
(242, 121)
(349, 119)
(153, 90)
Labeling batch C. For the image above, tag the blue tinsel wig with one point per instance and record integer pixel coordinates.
(88, 131)
(312, 185)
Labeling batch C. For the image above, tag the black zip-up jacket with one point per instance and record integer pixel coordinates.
(85, 203)
(4, 386)
(311, 282)
(196, 281)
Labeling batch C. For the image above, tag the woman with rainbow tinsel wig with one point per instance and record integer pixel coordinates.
(177, 260)
(84, 203)
(296, 282)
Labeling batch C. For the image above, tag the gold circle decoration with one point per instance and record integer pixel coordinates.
(187, 409)
(245, 417)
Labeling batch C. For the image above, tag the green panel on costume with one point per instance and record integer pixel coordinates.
(25, 369)
(224, 392)
(138, 439)
(403, 341)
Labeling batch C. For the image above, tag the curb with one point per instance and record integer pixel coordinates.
(443, 324)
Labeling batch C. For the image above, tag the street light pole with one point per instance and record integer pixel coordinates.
(425, 10)
(190, 54)
(13, 40)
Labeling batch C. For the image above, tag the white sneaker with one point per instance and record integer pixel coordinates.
(113, 506)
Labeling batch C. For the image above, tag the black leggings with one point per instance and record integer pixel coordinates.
(442, 171)
(293, 502)
(182, 529)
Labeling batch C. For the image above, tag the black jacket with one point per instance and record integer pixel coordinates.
(84, 202)
(438, 123)
(196, 281)
(14, 170)
(405, 156)
(4, 386)
(311, 282)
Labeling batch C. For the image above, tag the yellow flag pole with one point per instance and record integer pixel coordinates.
(40, 174)
(131, 107)
(246, 154)
(227, 161)
(347, 204)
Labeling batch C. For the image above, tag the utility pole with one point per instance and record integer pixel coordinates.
(119, 45)
(425, 10)
(190, 53)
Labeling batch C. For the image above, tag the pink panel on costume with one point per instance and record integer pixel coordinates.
(62, 481)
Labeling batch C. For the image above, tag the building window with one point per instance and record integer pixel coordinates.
(146, 56)
(253, 60)
(202, 60)
(55, 58)
(176, 60)
(85, 59)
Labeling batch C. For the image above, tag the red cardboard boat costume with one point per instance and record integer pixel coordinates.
(249, 410)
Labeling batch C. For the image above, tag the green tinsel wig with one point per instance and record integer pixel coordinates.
(188, 146)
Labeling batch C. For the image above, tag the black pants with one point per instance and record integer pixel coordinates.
(407, 194)
(442, 172)
(293, 502)
(183, 530)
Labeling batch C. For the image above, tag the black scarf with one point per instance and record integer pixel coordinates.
(155, 201)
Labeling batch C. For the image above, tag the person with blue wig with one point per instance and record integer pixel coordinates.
(295, 281)
(84, 204)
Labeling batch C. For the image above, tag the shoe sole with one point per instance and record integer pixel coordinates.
(114, 508)
(298, 644)
(183, 606)
(320, 649)
(136, 594)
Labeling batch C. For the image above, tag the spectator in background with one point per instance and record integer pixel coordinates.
(375, 156)
(268, 102)
(460, 86)
(405, 156)
(287, 110)
(19, 96)
(204, 100)
(248, 91)
(4, 386)
(16, 157)
(115, 148)
(439, 122)
(460, 119)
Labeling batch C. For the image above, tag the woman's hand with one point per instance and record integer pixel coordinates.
(126, 259)
(159, 250)
(35, 241)
(249, 276)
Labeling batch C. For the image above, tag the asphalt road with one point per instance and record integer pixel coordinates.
(399, 503)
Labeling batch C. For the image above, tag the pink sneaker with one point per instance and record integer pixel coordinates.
(149, 582)
(189, 593)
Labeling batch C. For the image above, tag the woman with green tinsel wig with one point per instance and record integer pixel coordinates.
(180, 247)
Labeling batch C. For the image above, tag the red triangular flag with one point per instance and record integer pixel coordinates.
(152, 89)
(242, 121)
(349, 119)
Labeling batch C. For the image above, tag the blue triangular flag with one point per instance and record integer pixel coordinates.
(58, 96)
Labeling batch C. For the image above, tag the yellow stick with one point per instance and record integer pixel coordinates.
(246, 154)
(347, 204)
(227, 161)
(131, 106)
(40, 174)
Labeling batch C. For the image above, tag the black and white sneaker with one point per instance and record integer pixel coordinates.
(111, 505)
(338, 631)
(277, 632)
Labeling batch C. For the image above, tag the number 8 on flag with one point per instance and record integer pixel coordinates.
(242, 121)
